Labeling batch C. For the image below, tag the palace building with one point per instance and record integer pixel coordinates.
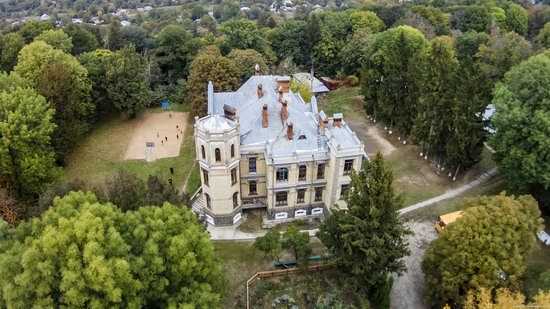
(263, 146)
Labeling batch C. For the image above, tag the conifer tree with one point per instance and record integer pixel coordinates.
(432, 124)
(367, 242)
(113, 39)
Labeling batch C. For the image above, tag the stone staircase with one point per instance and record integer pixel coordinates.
(198, 204)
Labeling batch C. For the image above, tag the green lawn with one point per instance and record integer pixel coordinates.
(100, 155)
(415, 178)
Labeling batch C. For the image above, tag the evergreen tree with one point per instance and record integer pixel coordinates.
(366, 243)
(127, 87)
(113, 38)
(433, 123)
(97, 63)
(393, 76)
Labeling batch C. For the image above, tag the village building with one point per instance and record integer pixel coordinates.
(262, 146)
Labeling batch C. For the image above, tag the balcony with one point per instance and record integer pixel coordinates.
(252, 203)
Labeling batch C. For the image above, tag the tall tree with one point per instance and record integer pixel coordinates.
(516, 19)
(522, 103)
(26, 124)
(136, 36)
(504, 298)
(242, 34)
(270, 244)
(176, 48)
(393, 76)
(34, 28)
(366, 20)
(113, 37)
(56, 39)
(83, 253)
(82, 39)
(210, 66)
(10, 45)
(355, 51)
(245, 60)
(290, 40)
(63, 81)
(366, 243)
(543, 38)
(433, 122)
(334, 31)
(97, 63)
(127, 87)
(471, 17)
(486, 248)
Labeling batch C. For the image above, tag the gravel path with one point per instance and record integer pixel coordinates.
(407, 290)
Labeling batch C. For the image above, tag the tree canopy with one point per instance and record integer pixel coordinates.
(486, 248)
(84, 253)
(57, 39)
(26, 124)
(522, 122)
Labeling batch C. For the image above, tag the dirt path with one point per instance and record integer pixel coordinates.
(370, 136)
(407, 290)
(160, 129)
(452, 193)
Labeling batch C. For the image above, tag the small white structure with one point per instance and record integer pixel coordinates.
(121, 12)
(125, 23)
(44, 16)
(317, 6)
(544, 237)
(147, 8)
(76, 20)
(245, 9)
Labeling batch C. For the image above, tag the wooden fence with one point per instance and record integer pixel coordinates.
(277, 273)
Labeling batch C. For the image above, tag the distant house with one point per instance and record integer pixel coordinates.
(487, 115)
(245, 9)
(44, 16)
(140, 10)
(76, 20)
(121, 12)
(317, 6)
(125, 23)
(317, 87)
(147, 8)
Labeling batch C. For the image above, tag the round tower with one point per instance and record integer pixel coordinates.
(218, 153)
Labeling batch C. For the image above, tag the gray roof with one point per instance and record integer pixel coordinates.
(274, 138)
(318, 86)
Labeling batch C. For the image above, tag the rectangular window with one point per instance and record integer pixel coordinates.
(253, 189)
(252, 165)
(343, 191)
(233, 176)
(302, 171)
(281, 198)
(301, 196)
(205, 176)
(282, 174)
(348, 165)
(319, 194)
(321, 171)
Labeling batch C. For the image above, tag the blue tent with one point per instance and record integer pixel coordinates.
(165, 105)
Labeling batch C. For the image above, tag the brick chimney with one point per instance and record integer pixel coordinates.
(290, 131)
(283, 83)
(280, 91)
(260, 91)
(338, 119)
(264, 116)
(284, 112)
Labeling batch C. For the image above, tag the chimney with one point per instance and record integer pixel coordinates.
(260, 91)
(229, 112)
(257, 69)
(264, 116)
(281, 94)
(337, 119)
(323, 124)
(284, 83)
(284, 112)
(290, 131)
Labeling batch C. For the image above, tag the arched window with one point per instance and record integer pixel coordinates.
(232, 150)
(203, 152)
(282, 174)
(208, 201)
(235, 200)
(218, 155)
(252, 188)
(302, 170)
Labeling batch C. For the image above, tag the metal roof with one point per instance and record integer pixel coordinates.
(317, 87)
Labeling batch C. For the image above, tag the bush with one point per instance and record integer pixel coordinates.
(352, 81)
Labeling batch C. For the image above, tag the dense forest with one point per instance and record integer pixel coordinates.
(429, 70)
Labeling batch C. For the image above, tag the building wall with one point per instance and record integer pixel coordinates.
(259, 176)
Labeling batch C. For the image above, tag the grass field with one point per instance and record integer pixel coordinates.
(100, 155)
(415, 178)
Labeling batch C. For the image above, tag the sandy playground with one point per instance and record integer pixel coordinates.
(151, 124)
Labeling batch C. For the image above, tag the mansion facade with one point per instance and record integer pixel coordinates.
(263, 146)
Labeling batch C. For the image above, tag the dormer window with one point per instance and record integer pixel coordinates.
(302, 136)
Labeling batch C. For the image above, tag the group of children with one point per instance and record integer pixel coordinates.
(178, 131)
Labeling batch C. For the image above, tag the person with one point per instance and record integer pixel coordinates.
(166, 138)
(170, 114)
(177, 136)
(158, 135)
(171, 170)
(161, 142)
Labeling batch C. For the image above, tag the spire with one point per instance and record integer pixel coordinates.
(210, 98)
